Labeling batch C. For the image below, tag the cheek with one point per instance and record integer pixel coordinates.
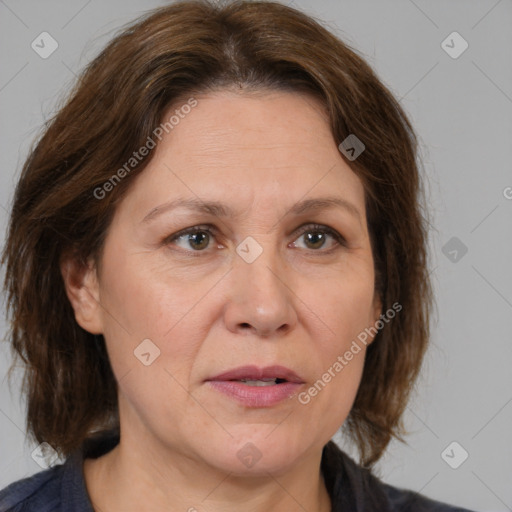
(148, 294)
(326, 403)
(141, 302)
(345, 305)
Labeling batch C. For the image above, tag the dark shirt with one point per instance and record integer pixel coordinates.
(352, 489)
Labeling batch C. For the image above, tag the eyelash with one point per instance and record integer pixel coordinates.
(316, 228)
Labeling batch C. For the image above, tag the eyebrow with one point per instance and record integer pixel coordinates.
(218, 209)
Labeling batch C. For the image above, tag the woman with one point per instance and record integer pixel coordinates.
(216, 258)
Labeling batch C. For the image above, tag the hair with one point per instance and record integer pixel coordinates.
(171, 53)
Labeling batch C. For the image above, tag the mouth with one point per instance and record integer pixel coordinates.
(254, 376)
(261, 382)
(257, 387)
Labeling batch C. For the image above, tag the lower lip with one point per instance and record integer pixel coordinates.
(256, 396)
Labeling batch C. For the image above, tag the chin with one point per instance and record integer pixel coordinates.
(254, 452)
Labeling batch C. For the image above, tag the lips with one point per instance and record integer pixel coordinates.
(257, 387)
(253, 373)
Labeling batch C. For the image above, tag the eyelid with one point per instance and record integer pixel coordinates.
(208, 228)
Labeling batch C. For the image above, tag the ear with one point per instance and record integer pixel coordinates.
(82, 288)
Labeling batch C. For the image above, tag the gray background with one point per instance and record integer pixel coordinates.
(461, 109)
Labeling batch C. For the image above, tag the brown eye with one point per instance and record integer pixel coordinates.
(195, 238)
(315, 237)
(315, 240)
(198, 240)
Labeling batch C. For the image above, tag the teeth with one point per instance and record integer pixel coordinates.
(264, 382)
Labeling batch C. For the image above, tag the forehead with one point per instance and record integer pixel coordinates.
(280, 125)
(270, 149)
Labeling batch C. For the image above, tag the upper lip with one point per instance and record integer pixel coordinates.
(255, 373)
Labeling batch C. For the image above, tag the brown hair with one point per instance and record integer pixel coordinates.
(174, 52)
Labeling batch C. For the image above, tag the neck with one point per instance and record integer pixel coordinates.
(134, 476)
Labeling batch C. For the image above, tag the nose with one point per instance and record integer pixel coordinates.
(261, 298)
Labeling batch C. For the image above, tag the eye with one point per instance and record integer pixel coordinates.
(315, 237)
(196, 238)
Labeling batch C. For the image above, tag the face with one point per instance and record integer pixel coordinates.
(265, 271)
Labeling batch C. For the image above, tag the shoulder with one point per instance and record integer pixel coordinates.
(39, 492)
(60, 488)
(353, 487)
(402, 500)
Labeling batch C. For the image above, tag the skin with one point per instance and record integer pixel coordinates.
(300, 304)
